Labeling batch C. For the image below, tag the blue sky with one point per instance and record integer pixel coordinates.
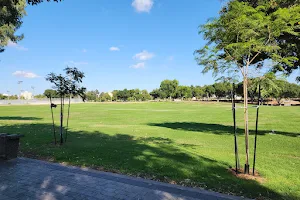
(117, 43)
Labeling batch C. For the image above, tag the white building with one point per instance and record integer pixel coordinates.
(27, 95)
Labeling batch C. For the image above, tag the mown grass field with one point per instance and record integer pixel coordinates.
(183, 143)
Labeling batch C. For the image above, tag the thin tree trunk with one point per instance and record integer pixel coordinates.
(54, 135)
(68, 118)
(246, 124)
(61, 120)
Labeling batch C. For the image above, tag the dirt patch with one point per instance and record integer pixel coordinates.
(256, 177)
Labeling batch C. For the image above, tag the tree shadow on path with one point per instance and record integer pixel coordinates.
(153, 158)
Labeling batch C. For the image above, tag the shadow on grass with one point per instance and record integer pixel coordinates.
(18, 118)
(214, 128)
(153, 158)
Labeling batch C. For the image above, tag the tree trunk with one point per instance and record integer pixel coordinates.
(54, 135)
(61, 120)
(245, 87)
(68, 118)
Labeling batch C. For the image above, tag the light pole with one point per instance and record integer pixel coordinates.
(8, 94)
(19, 83)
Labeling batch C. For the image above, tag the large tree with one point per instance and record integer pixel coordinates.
(169, 87)
(222, 89)
(184, 92)
(11, 14)
(197, 92)
(238, 37)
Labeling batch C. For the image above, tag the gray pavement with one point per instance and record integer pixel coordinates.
(30, 179)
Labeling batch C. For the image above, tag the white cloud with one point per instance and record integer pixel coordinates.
(76, 63)
(25, 74)
(114, 49)
(142, 5)
(138, 65)
(144, 55)
(84, 50)
(15, 45)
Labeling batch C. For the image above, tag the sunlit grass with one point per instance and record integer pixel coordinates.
(184, 143)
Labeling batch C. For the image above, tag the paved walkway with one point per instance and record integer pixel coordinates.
(30, 179)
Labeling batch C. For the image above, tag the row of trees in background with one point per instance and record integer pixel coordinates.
(5, 97)
(119, 95)
(272, 88)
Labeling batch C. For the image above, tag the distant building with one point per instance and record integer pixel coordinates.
(27, 95)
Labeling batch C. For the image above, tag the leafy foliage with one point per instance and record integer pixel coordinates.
(184, 92)
(11, 14)
(51, 93)
(245, 35)
(169, 87)
(284, 11)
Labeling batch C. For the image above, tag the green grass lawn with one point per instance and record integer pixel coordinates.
(184, 143)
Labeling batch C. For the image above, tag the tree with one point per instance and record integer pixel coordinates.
(67, 86)
(197, 92)
(115, 95)
(222, 89)
(123, 94)
(209, 90)
(268, 83)
(155, 93)
(285, 90)
(2, 97)
(145, 95)
(238, 37)
(169, 87)
(40, 96)
(105, 97)
(51, 93)
(183, 92)
(11, 14)
(92, 95)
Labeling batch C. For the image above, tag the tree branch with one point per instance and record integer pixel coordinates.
(254, 57)
(238, 65)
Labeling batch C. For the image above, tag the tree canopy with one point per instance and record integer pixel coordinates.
(51, 93)
(169, 87)
(11, 14)
(288, 41)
